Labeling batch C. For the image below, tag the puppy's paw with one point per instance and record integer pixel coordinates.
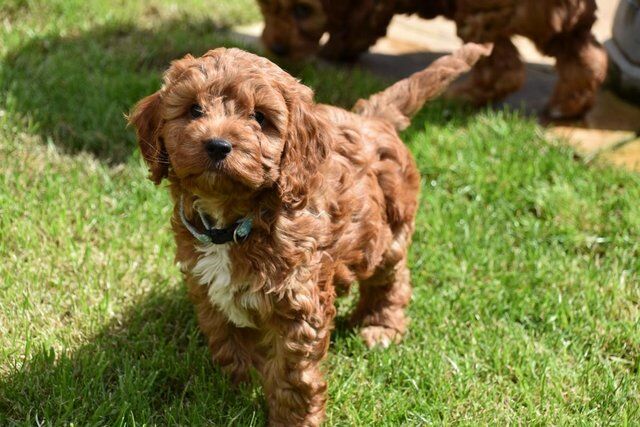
(379, 336)
(570, 105)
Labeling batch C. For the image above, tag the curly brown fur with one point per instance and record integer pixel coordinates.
(333, 195)
(559, 28)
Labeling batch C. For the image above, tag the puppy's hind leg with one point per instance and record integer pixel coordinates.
(381, 310)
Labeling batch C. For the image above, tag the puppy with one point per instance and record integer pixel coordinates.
(280, 204)
(559, 28)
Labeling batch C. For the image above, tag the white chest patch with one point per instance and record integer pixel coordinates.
(213, 270)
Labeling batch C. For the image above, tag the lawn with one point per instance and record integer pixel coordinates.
(525, 261)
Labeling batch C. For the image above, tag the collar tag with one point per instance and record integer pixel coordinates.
(242, 229)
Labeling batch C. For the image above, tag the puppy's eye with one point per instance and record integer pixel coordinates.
(302, 11)
(196, 111)
(258, 117)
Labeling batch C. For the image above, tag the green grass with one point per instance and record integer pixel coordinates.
(525, 262)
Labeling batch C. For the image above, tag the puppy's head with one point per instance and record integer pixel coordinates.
(231, 124)
(293, 28)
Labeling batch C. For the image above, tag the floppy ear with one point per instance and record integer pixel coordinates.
(306, 146)
(145, 117)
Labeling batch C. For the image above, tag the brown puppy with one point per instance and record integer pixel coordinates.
(281, 203)
(559, 28)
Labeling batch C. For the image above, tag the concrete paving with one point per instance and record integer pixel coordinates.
(610, 131)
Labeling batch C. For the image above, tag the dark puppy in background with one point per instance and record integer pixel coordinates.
(559, 28)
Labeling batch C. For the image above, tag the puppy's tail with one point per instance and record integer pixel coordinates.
(399, 102)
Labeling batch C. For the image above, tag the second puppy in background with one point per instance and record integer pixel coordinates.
(559, 28)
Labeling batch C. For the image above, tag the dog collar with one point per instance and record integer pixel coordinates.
(236, 232)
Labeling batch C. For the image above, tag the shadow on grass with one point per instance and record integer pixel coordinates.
(150, 366)
(75, 90)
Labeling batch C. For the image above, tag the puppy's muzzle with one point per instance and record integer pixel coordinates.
(217, 148)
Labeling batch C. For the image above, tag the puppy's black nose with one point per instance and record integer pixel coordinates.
(279, 49)
(217, 148)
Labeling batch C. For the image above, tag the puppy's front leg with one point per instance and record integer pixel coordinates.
(298, 341)
(232, 348)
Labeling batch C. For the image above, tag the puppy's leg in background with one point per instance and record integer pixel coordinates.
(346, 44)
(352, 33)
(493, 77)
(381, 309)
(231, 347)
(293, 382)
(582, 67)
